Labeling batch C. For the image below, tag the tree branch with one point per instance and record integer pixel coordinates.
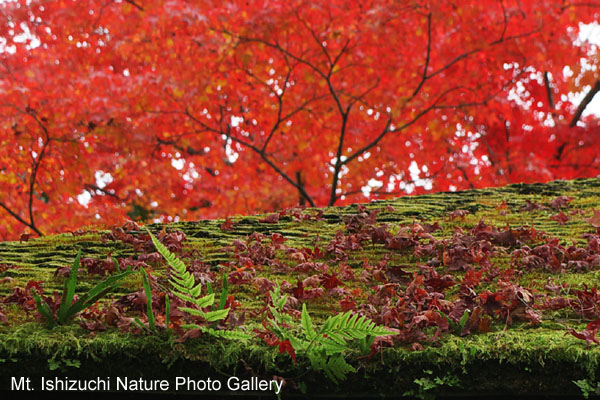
(37, 161)
(133, 3)
(505, 25)
(93, 188)
(471, 52)
(314, 36)
(549, 90)
(190, 150)
(301, 199)
(277, 47)
(258, 151)
(380, 191)
(427, 58)
(584, 103)
(338, 157)
(464, 174)
(21, 220)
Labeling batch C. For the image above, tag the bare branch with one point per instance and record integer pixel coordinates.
(133, 3)
(276, 46)
(471, 52)
(37, 161)
(338, 159)
(339, 55)
(21, 220)
(548, 90)
(314, 36)
(301, 199)
(505, 24)
(581, 4)
(279, 108)
(464, 174)
(281, 119)
(258, 151)
(427, 58)
(380, 191)
(190, 150)
(584, 103)
(361, 96)
(94, 188)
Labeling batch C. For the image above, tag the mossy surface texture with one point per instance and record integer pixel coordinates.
(509, 355)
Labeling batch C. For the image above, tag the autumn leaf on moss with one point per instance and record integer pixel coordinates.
(594, 220)
(561, 218)
(588, 335)
(270, 219)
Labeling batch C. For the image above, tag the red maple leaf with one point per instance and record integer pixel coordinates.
(588, 335)
(594, 219)
(286, 346)
(561, 218)
(270, 219)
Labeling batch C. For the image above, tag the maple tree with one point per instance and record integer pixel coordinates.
(172, 109)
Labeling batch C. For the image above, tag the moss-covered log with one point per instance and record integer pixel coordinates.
(523, 358)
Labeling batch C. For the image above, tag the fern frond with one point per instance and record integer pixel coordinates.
(317, 361)
(337, 337)
(184, 287)
(332, 347)
(337, 368)
(193, 311)
(216, 315)
(307, 326)
(347, 325)
(172, 260)
(324, 347)
(181, 279)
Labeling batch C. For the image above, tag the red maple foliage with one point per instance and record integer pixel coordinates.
(181, 110)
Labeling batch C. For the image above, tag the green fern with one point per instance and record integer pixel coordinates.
(184, 287)
(324, 347)
(337, 368)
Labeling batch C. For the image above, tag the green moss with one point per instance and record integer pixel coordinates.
(516, 353)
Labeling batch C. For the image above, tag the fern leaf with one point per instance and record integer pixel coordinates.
(343, 321)
(179, 289)
(317, 360)
(184, 297)
(332, 347)
(349, 326)
(181, 279)
(195, 291)
(193, 311)
(307, 326)
(173, 261)
(216, 315)
(337, 368)
(184, 287)
(337, 337)
(205, 301)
